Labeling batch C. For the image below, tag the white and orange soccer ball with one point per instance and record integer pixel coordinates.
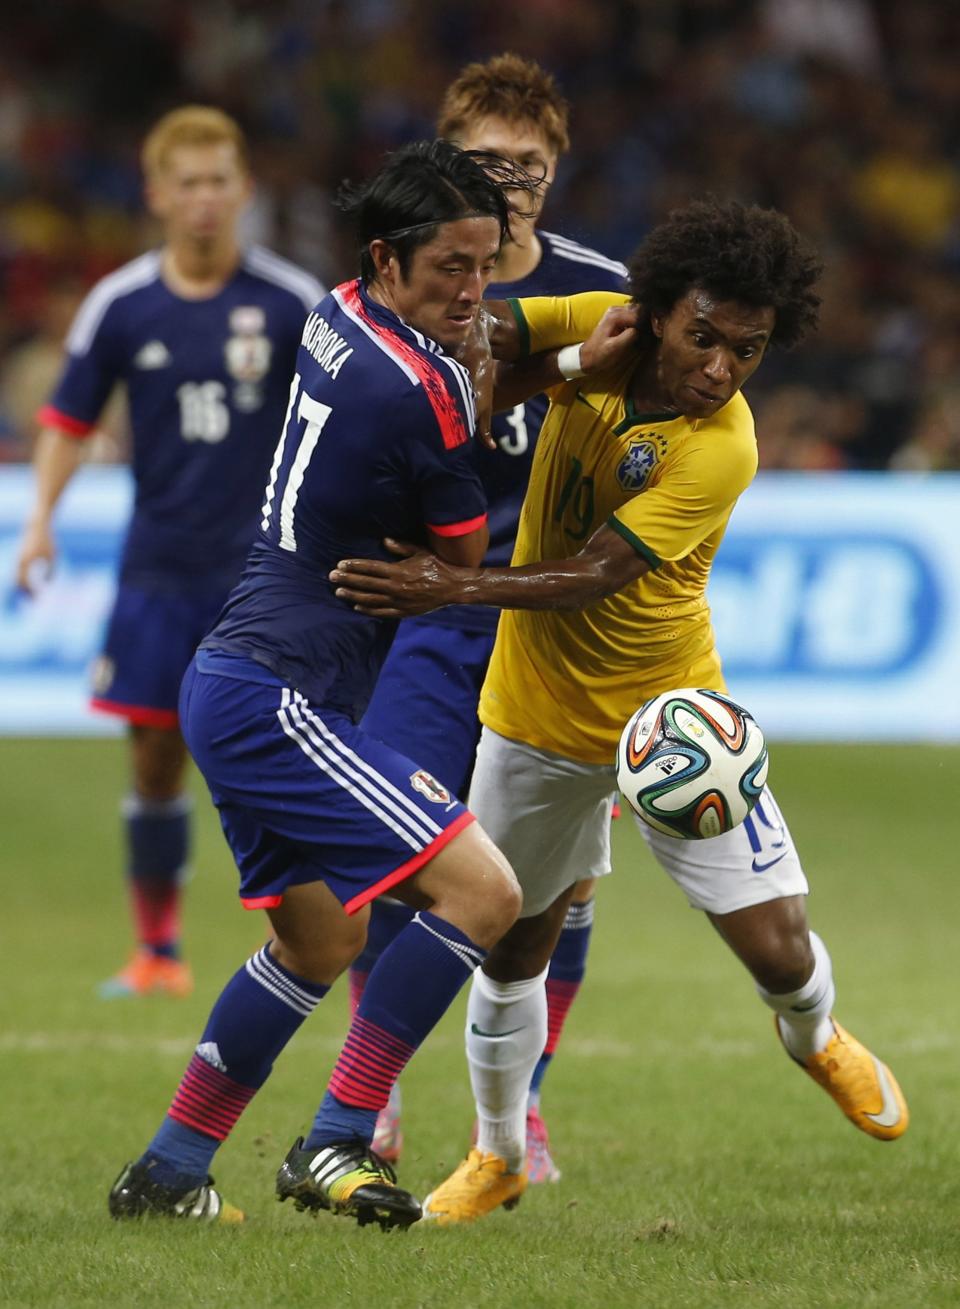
(691, 763)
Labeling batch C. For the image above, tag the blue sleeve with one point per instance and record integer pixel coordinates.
(452, 500)
(89, 374)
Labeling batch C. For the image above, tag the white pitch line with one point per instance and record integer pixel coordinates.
(650, 1049)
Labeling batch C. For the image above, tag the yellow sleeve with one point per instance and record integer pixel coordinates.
(548, 321)
(692, 499)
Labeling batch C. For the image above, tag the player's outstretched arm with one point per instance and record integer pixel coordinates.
(422, 582)
(612, 340)
(503, 379)
(55, 462)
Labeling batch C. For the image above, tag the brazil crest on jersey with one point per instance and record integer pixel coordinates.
(565, 268)
(568, 681)
(377, 442)
(207, 383)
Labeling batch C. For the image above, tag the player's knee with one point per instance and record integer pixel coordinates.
(512, 961)
(783, 960)
(321, 958)
(773, 940)
(471, 884)
(159, 763)
(496, 907)
(510, 902)
(524, 951)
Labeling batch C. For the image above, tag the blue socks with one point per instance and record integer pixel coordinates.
(158, 846)
(257, 1013)
(408, 991)
(260, 1009)
(567, 968)
(388, 918)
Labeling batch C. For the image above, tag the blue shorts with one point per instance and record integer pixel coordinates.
(151, 637)
(305, 795)
(426, 697)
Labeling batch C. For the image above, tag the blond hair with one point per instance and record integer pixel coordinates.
(191, 125)
(510, 87)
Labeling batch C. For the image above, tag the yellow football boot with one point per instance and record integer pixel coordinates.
(863, 1087)
(478, 1186)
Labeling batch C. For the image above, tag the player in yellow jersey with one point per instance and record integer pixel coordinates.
(638, 468)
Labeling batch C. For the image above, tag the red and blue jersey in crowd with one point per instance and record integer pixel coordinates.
(378, 442)
(207, 382)
(566, 268)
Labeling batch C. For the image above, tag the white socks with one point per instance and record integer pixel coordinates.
(804, 1016)
(505, 1036)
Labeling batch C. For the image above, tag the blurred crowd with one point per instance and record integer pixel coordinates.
(843, 113)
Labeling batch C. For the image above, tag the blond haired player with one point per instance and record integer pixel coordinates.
(204, 335)
(637, 471)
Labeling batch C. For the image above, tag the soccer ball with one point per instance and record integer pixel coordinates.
(691, 763)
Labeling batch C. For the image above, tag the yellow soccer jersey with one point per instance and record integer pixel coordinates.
(567, 681)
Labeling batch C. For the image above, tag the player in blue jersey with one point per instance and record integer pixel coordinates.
(426, 697)
(320, 815)
(204, 335)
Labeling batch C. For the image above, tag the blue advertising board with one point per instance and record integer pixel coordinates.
(835, 597)
(836, 601)
(48, 641)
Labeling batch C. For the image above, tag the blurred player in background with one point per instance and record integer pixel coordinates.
(637, 472)
(321, 816)
(425, 701)
(204, 335)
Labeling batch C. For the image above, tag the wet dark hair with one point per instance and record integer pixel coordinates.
(423, 185)
(734, 252)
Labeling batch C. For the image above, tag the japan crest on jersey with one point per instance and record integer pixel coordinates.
(247, 354)
(428, 786)
(637, 464)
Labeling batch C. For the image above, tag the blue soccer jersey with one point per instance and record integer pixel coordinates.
(377, 442)
(566, 268)
(426, 697)
(207, 383)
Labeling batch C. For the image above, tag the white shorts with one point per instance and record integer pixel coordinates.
(551, 817)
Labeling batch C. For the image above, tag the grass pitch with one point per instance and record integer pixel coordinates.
(699, 1167)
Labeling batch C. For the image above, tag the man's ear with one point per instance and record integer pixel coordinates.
(153, 198)
(656, 325)
(384, 259)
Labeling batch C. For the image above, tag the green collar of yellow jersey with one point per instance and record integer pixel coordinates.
(635, 419)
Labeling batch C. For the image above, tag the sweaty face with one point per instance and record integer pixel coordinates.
(200, 192)
(445, 279)
(523, 144)
(708, 348)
